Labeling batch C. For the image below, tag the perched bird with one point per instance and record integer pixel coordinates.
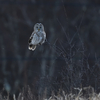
(38, 36)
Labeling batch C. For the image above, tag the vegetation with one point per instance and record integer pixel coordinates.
(86, 93)
(68, 62)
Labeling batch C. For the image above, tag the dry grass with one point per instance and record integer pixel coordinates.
(86, 93)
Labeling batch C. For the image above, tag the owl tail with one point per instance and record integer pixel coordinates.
(32, 47)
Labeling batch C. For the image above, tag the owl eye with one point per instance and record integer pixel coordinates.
(36, 27)
(40, 26)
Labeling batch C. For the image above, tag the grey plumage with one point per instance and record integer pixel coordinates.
(38, 36)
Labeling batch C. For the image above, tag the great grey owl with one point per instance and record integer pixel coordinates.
(38, 36)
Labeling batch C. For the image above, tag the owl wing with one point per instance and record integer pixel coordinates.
(35, 39)
(31, 37)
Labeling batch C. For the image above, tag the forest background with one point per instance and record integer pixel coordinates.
(70, 57)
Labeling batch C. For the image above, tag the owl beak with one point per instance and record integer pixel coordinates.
(38, 29)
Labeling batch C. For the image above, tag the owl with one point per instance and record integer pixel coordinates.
(37, 37)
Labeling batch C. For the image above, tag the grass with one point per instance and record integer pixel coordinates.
(86, 93)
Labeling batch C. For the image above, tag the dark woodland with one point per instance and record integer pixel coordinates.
(69, 58)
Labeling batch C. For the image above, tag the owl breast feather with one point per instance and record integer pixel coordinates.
(36, 39)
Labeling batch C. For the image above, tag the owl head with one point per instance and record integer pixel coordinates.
(38, 27)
